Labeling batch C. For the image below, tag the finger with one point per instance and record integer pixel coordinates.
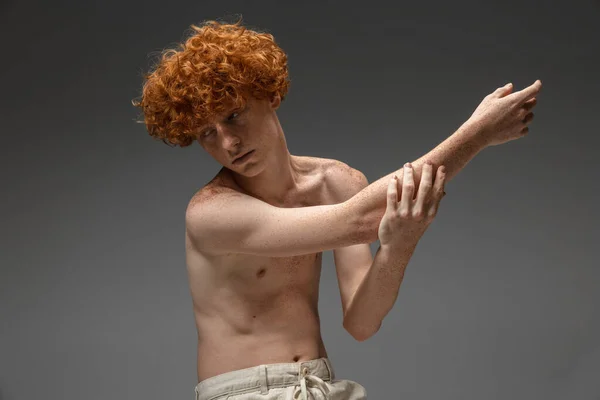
(528, 118)
(392, 195)
(438, 189)
(424, 189)
(504, 90)
(408, 190)
(529, 104)
(526, 94)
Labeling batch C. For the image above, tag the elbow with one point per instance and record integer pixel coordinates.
(359, 337)
(360, 334)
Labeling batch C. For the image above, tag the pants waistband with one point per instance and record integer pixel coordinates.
(263, 377)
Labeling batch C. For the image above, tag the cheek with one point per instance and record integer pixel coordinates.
(213, 151)
(269, 130)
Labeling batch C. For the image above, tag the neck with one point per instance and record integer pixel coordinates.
(279, 177)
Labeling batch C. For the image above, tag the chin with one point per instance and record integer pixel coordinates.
(250, 171)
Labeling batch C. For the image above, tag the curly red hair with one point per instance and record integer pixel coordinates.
(213, 70)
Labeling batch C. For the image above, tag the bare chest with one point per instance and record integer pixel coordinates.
(251, 274)
(254, 278)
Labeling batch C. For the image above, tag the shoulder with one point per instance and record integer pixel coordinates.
(219, 190)
(342, 180)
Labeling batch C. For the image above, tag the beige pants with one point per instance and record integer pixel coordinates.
(305, 380)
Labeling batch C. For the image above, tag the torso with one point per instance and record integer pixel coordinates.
(252, 310)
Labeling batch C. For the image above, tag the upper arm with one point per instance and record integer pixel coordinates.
(243, 224)
(351, 262)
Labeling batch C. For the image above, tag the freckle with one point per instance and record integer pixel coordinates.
(261, 273)
(254, 316)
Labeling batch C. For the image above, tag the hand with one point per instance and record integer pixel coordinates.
(503, 116)
(406, 220)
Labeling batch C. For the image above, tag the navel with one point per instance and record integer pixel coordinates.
(296, 358)
(261, 272)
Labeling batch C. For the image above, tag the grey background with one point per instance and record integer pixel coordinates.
(501, 299)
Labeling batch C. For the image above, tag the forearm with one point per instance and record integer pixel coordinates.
(454, 153)
(377, 292)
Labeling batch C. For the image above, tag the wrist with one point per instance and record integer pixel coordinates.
(473, 130)
(398, 247)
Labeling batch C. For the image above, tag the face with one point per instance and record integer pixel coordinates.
(237, 132)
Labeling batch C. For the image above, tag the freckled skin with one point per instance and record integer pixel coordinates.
(258, 309)
(265, 308)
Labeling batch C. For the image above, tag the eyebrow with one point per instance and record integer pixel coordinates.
(206, 125)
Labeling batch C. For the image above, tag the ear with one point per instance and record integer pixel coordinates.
(275, 101)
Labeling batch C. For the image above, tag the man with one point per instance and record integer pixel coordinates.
(255, 233)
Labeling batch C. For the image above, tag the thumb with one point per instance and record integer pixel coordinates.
(504, 90)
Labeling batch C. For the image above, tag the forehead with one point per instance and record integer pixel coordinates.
(219, 116)
(228, 108)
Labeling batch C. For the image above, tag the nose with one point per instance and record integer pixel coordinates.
(229, 139)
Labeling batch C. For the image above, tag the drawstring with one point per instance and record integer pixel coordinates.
(306, 378)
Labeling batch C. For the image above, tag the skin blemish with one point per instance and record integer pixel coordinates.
(261, 273)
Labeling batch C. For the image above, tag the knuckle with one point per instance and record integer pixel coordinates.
(418, 214)
(403, 213)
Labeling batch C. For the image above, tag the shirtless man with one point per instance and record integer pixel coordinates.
(256, 232)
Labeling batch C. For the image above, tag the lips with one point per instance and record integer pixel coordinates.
(243, 157)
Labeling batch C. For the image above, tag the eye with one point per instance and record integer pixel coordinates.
(233, 116)
(207, 133)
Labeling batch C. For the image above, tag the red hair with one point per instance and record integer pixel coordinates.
(216, 67)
